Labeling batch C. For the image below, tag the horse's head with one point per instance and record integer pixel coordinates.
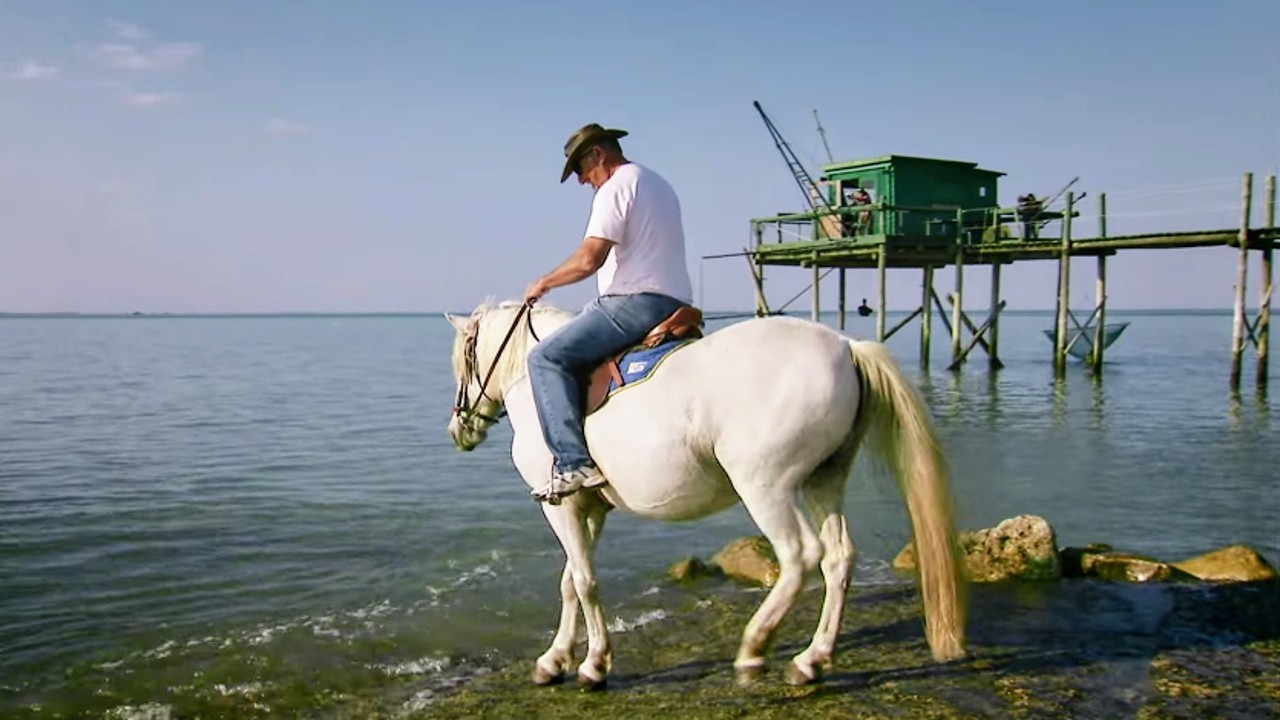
(489, 352)
(476, 408)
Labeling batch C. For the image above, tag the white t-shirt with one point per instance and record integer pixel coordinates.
(638, 211)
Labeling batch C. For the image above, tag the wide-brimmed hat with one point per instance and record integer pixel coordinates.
(581, 141)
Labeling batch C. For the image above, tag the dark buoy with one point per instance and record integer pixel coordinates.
(864, 309)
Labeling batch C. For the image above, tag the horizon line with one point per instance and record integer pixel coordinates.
(374, 313)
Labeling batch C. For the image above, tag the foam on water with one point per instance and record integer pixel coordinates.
(149, 711)
(421, 666)
(618, 625)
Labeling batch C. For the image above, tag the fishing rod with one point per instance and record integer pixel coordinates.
(1052, 200)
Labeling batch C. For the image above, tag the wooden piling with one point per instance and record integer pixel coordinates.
(957, 297)
(881, 261)
(1264, 303)
(975, 332)
(1242, 273)
(957, 313)
(1101, 294)
(977, 340)
(757, 271)
(840, 302)
(926, 319)
(993, 335)
(1064, 291)
(757, 276)
(817, 299)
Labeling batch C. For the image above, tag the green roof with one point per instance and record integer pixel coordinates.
(890, 159)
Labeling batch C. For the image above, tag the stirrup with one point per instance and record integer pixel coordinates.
(564, 484)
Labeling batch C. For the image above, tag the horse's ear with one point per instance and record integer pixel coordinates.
(458, 323)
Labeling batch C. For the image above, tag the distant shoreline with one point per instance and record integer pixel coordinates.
(711, 314)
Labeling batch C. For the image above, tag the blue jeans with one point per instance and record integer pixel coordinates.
(559, 363)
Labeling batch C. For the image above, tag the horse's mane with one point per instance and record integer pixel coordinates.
(495, 320)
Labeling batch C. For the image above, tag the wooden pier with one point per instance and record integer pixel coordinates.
(936, 214)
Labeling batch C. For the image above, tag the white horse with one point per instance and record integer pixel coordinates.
(768, 412)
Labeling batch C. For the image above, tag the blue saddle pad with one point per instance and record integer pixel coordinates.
(638, 364)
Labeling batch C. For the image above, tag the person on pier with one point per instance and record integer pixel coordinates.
(1029, 209)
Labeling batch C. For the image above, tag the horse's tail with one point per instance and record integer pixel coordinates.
(895, 420)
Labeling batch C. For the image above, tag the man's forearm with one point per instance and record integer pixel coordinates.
(582, 264)
(570, 271)
(588, 258)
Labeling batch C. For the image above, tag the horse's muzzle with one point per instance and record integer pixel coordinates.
(465, 437)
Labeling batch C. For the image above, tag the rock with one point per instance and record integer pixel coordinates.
(1073, 558)
(750, 559)
(1237, 563)
(1129, 567)
(1023, 547)
(689, 569)
(906, 560)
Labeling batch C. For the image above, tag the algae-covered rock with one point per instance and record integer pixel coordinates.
(689, 569)
(906, 558)
(1072, 558)
(750, 559)
(1024, 547)
(1236, 563)
(1129, 567)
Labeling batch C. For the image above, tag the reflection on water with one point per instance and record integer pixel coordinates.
(1248, 409)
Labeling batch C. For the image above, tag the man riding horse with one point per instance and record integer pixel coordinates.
(634, 245)
(768, 413)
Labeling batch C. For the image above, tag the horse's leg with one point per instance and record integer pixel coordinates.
(772, 506)
(825, 494)
(553, 664)
(595, 667)
(577, 522)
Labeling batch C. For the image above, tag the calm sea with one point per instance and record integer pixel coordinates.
(206, 510)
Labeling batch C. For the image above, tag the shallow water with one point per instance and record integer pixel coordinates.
(189, 505)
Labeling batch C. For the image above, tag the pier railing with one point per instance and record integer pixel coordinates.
(875, 222)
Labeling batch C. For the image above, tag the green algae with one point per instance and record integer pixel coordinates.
(1075, 648)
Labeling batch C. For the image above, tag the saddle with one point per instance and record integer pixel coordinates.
(684, 323)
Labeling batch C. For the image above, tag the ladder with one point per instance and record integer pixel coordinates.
(817, 201)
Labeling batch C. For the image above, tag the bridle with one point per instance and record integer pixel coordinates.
(462, 406)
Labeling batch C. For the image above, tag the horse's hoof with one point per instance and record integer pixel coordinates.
(587, 684)
(950, 655)
(796, 676)
(546, 677)
(749, 675)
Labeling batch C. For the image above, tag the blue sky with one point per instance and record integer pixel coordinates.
(181, 156)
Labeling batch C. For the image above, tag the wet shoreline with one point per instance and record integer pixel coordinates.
(1074, 648)
(1047, 649)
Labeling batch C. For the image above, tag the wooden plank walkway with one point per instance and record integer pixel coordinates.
(903, 252)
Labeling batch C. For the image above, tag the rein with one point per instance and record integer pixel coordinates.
(460, 404)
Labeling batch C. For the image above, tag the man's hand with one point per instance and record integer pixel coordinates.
(536, 289)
